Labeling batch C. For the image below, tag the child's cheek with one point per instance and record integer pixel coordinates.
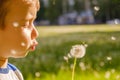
(26, 32)
(27, 36)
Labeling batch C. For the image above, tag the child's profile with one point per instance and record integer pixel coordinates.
(17, 34)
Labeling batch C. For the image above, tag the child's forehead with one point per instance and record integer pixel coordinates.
(34, 3)
(24, 2)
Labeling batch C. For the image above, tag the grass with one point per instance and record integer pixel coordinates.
(84, 76)
(99, 63)
(46, 31)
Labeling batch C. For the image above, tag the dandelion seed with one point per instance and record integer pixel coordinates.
(37, 74)
(96, 74)
(69, 56)
(86, 45)
(82, 66)
(27, 31)
(113, 70)
(78, 51)
(109, 58)
(15, 24)
(22, 44)
(117, 77)
(96, 8)
(107, 75)
(13, 52)
(71, 66)
(65, 58)
(102, 63)
(113, 38)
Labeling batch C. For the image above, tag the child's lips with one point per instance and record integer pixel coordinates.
(33, 46)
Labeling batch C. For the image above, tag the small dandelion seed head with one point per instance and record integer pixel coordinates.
(78, 51)
(15, 24)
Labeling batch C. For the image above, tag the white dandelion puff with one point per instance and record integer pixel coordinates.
(78, 51)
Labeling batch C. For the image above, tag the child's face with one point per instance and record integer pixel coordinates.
(19, 35)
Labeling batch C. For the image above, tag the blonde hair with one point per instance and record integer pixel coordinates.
(4, 8)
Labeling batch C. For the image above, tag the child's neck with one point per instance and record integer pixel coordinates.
(3, 62)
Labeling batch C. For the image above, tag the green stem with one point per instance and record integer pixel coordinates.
(73, 71)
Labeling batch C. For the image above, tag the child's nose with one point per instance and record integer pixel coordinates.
(34, 33)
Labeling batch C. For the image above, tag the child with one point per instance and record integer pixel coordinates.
(17, 34)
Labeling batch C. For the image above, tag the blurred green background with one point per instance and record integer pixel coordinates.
(101, 61)
(64, 23)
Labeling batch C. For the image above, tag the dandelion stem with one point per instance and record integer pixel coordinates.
(73, 71)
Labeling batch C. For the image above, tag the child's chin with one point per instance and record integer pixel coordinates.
(21, 55)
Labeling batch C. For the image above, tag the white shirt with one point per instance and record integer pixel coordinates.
(10, 73)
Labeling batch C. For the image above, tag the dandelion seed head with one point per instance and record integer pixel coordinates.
(78, 51)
